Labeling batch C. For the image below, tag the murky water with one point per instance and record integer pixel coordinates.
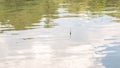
(59, 34)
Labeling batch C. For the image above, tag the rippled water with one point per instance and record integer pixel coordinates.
(59, 34)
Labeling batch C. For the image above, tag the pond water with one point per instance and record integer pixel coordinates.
(59, 34)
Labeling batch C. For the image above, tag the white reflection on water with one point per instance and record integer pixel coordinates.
(52, 48)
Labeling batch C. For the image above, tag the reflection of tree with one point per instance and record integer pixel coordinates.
(49, 13)
(97, 5)
(23, 13)
(78, 5)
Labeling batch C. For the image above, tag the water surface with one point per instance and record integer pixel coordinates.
(59, 34)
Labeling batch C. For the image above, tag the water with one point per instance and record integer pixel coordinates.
(59, 34)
